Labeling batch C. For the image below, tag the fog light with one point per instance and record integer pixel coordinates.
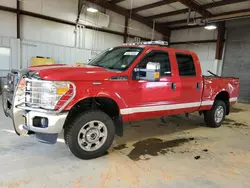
(40, 122)
(44, 122)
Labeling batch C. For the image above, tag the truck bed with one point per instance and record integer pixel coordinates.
(214, 85)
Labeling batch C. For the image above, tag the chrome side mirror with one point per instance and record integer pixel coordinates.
(151, 73)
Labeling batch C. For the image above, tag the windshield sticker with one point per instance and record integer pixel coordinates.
(131, 53)
(123, 66)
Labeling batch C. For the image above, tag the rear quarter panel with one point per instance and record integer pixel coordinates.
(213, 86)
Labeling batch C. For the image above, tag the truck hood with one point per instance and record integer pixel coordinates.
(72, 73)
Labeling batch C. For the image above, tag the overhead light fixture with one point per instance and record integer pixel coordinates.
(89, 9)
(210, 27)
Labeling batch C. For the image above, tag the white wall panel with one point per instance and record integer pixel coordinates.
(96, 40)
(8, 24)
(63, 9)
(61, 54)
(14, 45)
(139, 29)
(8, 3)
(193, 34)
(205, 52)
(47, 31)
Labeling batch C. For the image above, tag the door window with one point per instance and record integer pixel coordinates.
(185, 64)
(157, 57)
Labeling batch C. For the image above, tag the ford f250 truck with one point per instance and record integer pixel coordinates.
(126, 83)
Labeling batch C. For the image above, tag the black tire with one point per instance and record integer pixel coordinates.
(72, 130)
(210, 115)
(4, 105)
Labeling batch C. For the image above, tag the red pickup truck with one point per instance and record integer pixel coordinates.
(126, 83)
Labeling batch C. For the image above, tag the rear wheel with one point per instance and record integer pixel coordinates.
(216, 116)
(90, 135)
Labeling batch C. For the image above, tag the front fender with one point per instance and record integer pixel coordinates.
(114, 96)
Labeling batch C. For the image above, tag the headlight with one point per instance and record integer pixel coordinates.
(52, 93)
(47, 94)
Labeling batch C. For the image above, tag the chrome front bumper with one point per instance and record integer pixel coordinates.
(55, 122)
(23, 117)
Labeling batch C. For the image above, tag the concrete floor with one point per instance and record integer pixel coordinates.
(151, 154)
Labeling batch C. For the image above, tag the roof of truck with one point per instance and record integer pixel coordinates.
(148, 43)
(155, 44)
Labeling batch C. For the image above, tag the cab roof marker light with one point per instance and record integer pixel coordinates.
(158, 42)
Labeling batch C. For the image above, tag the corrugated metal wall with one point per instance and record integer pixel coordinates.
(237, 55)
(14, 45)
(61, 54)
(205, 51)
(206, 54)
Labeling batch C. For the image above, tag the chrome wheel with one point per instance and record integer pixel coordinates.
(92, 135)
(219, 114)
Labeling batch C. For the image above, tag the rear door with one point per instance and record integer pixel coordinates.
(190, 81)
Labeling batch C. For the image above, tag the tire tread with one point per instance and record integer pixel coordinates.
(76, 122)
(209, 115)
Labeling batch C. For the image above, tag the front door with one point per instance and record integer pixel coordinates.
(150, 99)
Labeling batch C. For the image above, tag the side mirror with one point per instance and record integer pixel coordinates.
(151, 73)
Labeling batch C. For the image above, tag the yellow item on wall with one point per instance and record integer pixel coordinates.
(80, 63)
(36, 61)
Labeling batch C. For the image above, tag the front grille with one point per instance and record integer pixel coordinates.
(33, 92)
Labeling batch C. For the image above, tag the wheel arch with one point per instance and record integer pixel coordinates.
(104, 103)
(225, 97)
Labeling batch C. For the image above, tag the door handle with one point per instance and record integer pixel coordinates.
(173, 86)
(198, 86)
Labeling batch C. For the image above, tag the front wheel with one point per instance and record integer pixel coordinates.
(216, 116)
(90, 135)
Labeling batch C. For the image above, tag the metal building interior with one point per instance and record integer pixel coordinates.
(172, 151)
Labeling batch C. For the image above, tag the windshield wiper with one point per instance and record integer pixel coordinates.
(103, 66)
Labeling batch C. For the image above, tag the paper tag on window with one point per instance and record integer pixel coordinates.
(131, 53)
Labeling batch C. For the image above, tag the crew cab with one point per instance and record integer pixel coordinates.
(125, 83)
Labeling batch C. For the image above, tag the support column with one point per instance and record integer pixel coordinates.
(126, 30)
(220, 40)
(18, 18)
(219, 47)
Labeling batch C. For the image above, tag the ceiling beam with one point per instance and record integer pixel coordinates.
(215, 18)
(116, 1)
(242, 11)
(178, 22)
(193, 42)
(172, 13)
(222, 3)
(153, 5)
(195, 7)
(57, 20)
(127, 13)
(206, 6)
(186, 27)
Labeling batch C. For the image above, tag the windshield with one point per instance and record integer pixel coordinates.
(119, 58)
